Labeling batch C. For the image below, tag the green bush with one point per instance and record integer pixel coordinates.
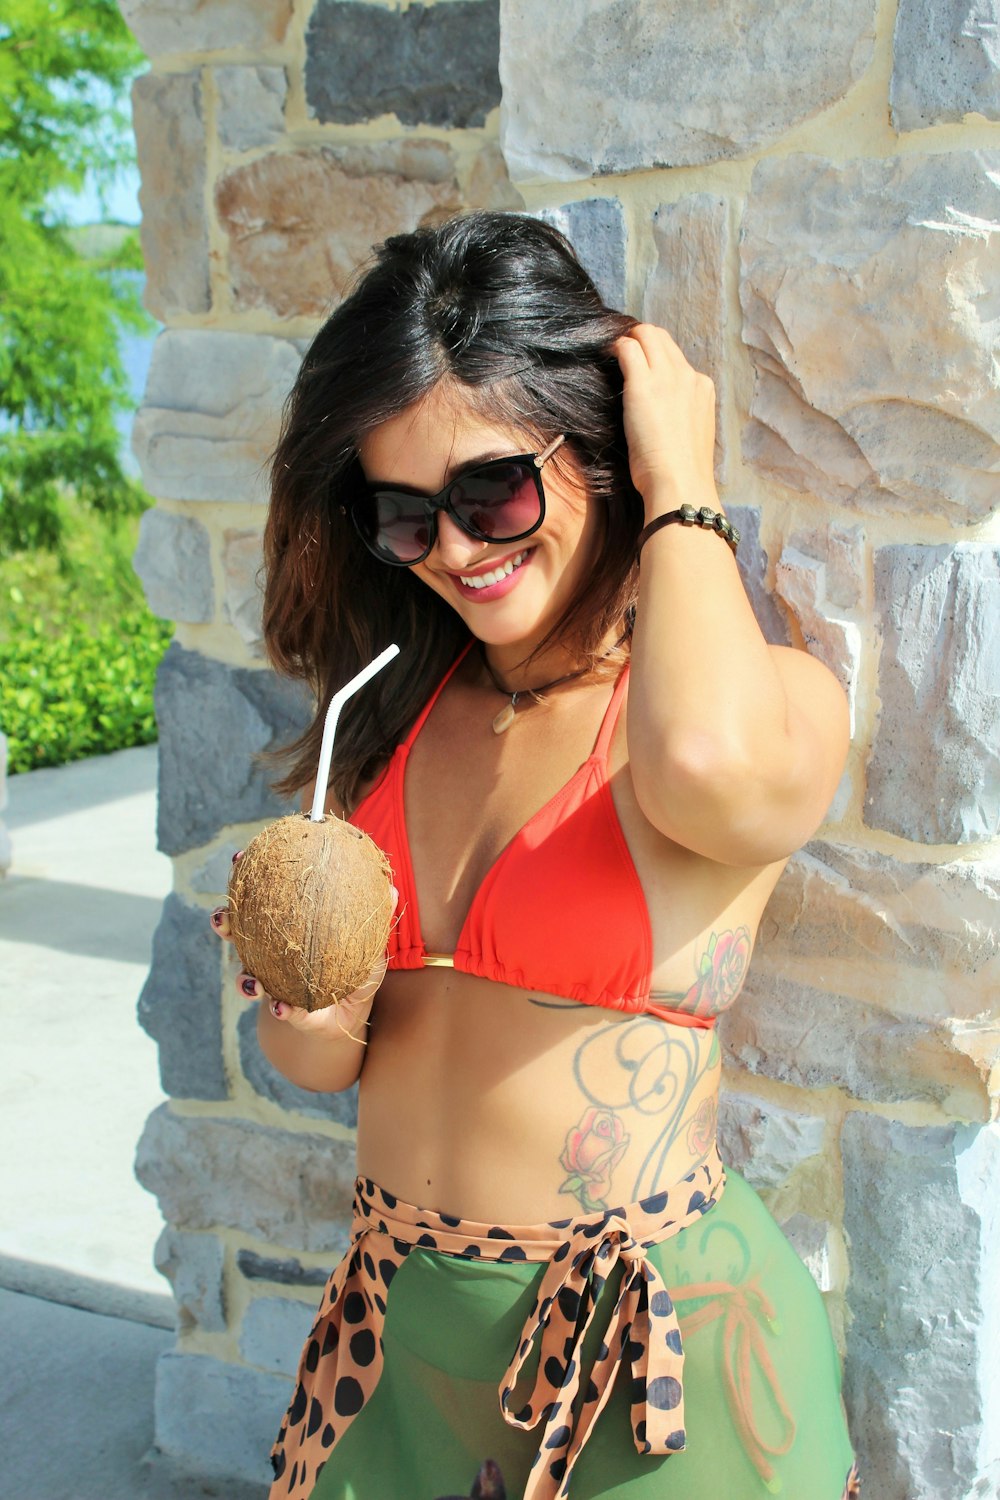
(83, 692)
(79, 648)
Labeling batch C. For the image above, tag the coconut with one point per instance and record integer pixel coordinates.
(310, 905)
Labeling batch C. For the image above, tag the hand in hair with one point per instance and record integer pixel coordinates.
(669, 411)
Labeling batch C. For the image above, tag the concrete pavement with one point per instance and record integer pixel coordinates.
(83, 1313)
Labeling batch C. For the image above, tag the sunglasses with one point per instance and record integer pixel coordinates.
(498, 501)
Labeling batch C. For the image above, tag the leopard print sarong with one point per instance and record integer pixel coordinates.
(342, 1359)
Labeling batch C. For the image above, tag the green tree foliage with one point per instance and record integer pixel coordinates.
(64, 69)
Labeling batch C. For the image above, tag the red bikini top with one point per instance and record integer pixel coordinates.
(561, 909)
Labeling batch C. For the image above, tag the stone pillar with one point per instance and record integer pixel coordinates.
(276, 142)
(809, 201)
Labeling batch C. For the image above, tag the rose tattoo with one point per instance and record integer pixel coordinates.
(721, 974)
(592, 1151)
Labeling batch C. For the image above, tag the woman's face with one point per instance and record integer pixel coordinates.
(423, 449)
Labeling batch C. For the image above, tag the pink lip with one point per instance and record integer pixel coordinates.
(494, 590)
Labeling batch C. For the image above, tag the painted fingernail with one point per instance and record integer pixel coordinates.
(250, 987)
(277, 1009)
(237, 855)
(217, 916)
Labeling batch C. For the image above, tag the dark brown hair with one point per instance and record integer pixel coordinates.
(498, 305)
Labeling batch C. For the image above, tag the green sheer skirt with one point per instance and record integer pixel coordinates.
(761, 1378)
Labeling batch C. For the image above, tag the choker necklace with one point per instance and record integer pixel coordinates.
(505, 718)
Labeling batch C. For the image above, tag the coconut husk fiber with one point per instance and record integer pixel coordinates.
(310, 905)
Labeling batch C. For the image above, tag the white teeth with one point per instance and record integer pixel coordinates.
(483, 580)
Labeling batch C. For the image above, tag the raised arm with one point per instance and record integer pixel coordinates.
(736, 747)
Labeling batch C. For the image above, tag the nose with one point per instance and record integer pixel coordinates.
(454, 547)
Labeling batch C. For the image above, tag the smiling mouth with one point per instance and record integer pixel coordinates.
(504, 570)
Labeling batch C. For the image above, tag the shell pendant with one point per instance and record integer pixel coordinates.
(505, 717)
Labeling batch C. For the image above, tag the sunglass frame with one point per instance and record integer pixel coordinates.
(533, 462)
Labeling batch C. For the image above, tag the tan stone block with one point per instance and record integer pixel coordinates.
(868, 289)
(300, 222)
(170, 144)
(243, 597)
(489, 183)
(828, 633)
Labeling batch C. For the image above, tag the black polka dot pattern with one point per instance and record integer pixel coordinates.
(342, 1358)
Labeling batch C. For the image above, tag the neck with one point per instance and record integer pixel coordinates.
(516, 670)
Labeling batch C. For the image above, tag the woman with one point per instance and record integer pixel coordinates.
(588, 770)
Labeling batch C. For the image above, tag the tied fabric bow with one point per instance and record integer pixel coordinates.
(643, 1331)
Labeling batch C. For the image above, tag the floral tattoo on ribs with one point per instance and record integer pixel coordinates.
(644, 1070)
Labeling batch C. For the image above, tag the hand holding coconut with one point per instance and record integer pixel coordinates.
(347, 1016)
(310, 905)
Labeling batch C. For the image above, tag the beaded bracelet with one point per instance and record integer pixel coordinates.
(711, 520)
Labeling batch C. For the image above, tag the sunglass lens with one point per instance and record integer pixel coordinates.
(399, 527)
(500, 502)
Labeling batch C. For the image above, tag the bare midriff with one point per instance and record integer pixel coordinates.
(496, 1103)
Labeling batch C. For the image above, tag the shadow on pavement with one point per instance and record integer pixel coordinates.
(80, 919)
(76, 1409)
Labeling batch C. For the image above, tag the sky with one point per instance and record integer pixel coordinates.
(122, 202)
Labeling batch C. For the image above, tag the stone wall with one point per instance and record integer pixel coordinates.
(807, 196)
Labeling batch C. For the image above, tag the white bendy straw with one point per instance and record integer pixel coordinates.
(330, 725)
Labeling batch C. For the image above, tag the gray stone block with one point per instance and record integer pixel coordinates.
(945, 62)
(174, 561)
(194, 1265)
(251, 109)
(766, 1146)
(211, 413)
(912, 929)
(270, 1084)
(594, 87)
(922, 1381)
(205, 25)
(273, 1331)
(798, 1034)
(170, 144)
(934, 768)
(213, 720)
(752, 561)
(281, 1187)
(427, 64)
(218, 1420)
(181, 1003)
(863, 286)
(286, 1272)
(596, 229)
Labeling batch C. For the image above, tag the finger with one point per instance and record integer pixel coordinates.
(237, 855)
(249, 987)
(220, 922)
(630, 355)
(658, 345)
